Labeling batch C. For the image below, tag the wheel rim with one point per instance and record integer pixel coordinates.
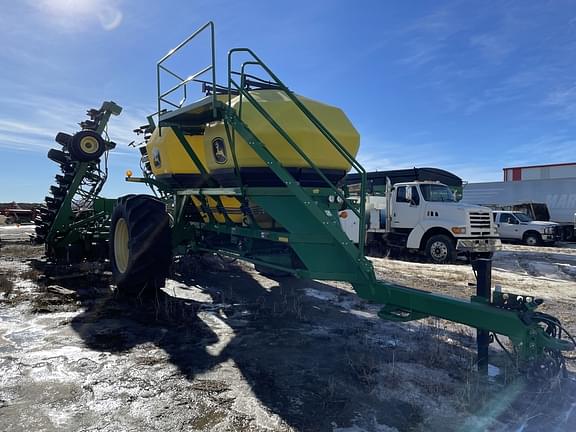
(531, 241)
(439, 251)
(89, 145)
(121, 250)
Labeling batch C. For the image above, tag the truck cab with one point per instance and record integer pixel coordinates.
(518, 226)
(425, 217)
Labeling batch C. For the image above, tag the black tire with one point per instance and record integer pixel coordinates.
(532, 239)
(53, 203)
(86, 146)
(58, 156)
(63, 139)
(42, 230)
(47, 213)
(146, 243)
(58, 191)
(440, 249)
(67, 169)
(64, 180)
(37, 239)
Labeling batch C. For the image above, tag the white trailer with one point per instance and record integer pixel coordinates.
(559, 194)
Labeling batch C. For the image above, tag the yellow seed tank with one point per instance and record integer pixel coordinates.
(307, 136)
(170, 162)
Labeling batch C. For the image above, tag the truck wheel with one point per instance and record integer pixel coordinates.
(86, 146)
(440, 249)
(532, 239)
(140, 244)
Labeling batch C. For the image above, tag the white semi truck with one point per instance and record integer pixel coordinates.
(424, 216)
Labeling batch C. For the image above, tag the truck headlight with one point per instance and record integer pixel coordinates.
(458, 230)
(549, 230)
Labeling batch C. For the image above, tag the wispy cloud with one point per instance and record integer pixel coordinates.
(428, 156)
(450, 31)
(425, 40)
(563, 100)
(378, 154)
(497, 55)
(21, 136)
(493, 46)
(552, 148)
(34, 120)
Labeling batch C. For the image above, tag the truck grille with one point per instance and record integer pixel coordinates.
(480, 223)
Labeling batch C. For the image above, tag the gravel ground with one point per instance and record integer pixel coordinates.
(224, 349)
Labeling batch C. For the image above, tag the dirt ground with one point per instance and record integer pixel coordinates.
(223, 348)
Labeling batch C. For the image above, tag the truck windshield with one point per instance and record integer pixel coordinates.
(437, 193)
(523, 217)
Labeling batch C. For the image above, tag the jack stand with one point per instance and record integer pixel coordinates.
(483, 268)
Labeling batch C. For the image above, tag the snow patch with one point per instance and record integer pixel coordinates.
(320, 294)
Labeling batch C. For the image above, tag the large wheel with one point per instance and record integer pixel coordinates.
(440, 249)
(532, 238)
(140, 244)
(86, 146)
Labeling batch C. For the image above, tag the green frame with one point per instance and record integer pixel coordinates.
(311, 243)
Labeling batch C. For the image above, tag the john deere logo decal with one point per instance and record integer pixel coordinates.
(219, 151)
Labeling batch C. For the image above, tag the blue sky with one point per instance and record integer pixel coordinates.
(467, 86)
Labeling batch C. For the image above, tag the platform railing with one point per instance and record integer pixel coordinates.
(162, 70)
(235, 87)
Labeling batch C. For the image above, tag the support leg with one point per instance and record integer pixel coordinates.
(483, 269)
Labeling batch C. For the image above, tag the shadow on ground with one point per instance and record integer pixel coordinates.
(310, 352)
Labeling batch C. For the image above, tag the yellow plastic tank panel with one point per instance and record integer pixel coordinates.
(167, 155)
(294, 122)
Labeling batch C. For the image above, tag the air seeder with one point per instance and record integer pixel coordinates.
(251, 171)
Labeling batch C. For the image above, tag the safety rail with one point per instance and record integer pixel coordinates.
(162, 96)
(240, 88)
